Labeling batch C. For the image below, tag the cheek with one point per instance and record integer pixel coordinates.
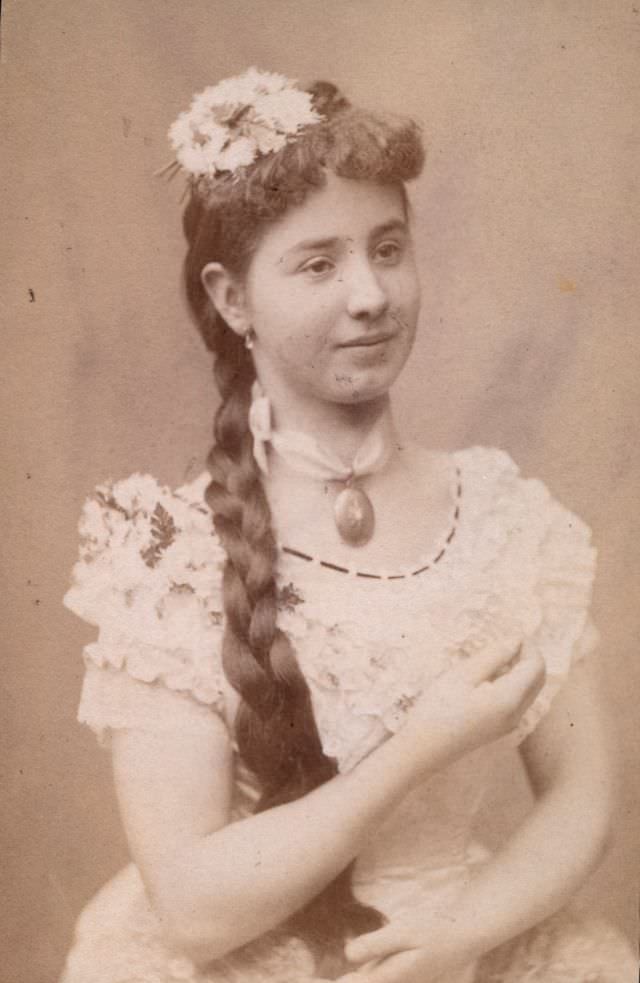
(406, 303)
(409, 290)
(295, 323)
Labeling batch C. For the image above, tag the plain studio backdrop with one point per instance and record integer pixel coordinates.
(525, 226)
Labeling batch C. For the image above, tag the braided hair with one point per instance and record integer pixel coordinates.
(275, 727)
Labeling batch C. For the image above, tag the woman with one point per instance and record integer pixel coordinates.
(309, 657)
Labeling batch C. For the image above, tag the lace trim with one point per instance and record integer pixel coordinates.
(570, 947)
(184, 670)
(523, 567)
(524, 570)
(113, 699)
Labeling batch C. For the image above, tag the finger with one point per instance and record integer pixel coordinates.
(485, 665)
(396, 969)
(359, 975)
(524, 682)
(374, 945)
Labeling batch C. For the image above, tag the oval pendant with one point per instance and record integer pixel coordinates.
(354, 515)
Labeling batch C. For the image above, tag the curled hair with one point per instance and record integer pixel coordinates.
(275, 727)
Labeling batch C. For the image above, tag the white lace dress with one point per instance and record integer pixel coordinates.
(514, 566)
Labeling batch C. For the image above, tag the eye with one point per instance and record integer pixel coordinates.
(390, 251)
(317, 267)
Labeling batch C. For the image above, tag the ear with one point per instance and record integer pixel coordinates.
(227, 295)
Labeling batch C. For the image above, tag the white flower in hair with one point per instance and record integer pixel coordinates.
(231, 124)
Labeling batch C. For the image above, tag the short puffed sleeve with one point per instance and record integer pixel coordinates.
(526, 570)
(565, 565)
(148, 577)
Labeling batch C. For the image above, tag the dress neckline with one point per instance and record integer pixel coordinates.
(194, 491)
(427, 561)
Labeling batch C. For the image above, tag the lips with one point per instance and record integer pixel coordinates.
(369, 340)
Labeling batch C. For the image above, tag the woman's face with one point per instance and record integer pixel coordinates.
(332, 295)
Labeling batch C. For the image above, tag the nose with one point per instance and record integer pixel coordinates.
(367, 298)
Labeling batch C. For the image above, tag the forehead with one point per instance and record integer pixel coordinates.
(343, 209)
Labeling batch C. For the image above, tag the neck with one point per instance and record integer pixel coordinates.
(338, 427)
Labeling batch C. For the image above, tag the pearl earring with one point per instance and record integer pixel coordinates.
(249, 337)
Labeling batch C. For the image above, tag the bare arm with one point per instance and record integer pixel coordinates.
(539, 868)
(216, 884)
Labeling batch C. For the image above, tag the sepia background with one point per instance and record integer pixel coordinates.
(526, 219)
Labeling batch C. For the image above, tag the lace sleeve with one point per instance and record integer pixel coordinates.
(148, 577)
(566, 570)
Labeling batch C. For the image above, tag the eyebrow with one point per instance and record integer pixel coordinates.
(393, 225)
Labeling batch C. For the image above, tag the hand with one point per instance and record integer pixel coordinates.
(475, 701)
(422, 946)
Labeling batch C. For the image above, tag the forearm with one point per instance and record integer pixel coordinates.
(238, 882)
(538, 870)
(217, 885)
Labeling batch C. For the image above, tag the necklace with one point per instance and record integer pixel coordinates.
(353, 510)
(428, 561)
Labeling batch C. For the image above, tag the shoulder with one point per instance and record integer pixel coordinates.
(537, 554)
(491, 474)
(150, 519)
(137, 537)
(519, 518)
(494, 491)
(481, 466)
(488, 465)
(148, 576)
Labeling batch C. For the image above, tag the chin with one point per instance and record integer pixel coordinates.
(357, 389)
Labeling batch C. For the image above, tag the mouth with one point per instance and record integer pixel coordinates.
(369, 340)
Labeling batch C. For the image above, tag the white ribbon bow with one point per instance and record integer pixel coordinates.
(303, 453)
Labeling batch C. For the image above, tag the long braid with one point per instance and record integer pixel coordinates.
(275, 727)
